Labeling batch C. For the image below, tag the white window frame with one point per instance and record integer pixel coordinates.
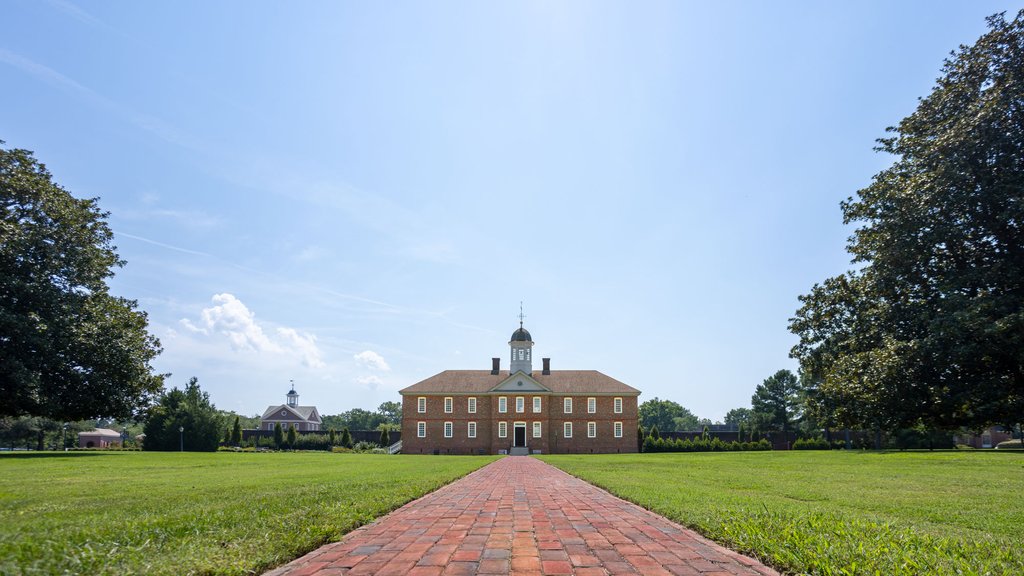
(567, 429)
(591, 429)
(502, 404)
(449, 404)
(471, 405)
(536, 404)
(502, 429)
(617, 405)
(617, 428)
(421, 429)
(520, 404)
(536, 429)
(471, 429)
(421, 404)
(591, 405)
(567, 405)
(449, 430)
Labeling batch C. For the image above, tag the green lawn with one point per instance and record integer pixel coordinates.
(835, 512)
(214, 513)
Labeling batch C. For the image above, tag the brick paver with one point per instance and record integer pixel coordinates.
(522, 516)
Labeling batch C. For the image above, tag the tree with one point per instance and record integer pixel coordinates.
(738, 416)
(930, 329)
(666, 415)
(391, 412)
(292, 436)
(278, 436)
(385, 438)
(236, 432)
(69, 350)
(333, 437)
(346, 438)
(189, 409)
(777, 401)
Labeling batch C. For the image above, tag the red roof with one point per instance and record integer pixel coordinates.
(482, 381)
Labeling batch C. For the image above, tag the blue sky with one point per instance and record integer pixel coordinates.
(358, 195)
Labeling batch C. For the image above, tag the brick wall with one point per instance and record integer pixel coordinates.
(487, 417)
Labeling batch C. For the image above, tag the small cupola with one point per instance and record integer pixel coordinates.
(521, 344)
(293, 397)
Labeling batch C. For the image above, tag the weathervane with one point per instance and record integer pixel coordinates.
(521, 315)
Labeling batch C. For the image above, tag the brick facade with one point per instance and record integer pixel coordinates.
(487, 417)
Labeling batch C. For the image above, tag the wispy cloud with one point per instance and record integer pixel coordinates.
(230, 318)
(372, 360)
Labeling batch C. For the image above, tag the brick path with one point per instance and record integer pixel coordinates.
(522, 516)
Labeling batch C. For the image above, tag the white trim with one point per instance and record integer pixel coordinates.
(617, 429)
(567, 405)
(617, 405)
(421, 429)
(502, 404)
(502, 429)
(591, 429)
(536, 429)
(567, 429)
(591, 405)
(520, 404)
(421, 405)
(471, 405)
(449, 404)
(536, 405)
(449, 430)
(471, 429)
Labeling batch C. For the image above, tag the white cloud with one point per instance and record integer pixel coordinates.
(371, 382)
(371, 359)
(231, 318)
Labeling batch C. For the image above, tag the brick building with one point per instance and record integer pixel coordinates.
(519, 411)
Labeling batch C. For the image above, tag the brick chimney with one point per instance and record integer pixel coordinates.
(547, 366)
(495, 365)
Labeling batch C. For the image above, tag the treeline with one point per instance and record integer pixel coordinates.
(652, 444)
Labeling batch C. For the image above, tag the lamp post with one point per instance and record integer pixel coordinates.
(181, 432)
(64, 438)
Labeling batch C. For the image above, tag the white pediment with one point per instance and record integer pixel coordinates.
(520, 382)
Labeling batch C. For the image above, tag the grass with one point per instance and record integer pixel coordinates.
(214, 513)
(834, 513)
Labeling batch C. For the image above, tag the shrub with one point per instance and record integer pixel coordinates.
(346, 438)
(818, 443)
(363, 447)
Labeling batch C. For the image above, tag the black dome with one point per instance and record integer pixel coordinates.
(521, 335)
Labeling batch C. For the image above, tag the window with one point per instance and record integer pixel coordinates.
(567, 405)
(591, 405)
(567, 429)
(421, 404)
(421, 429)
(536, 429)
(502, 429)
(448, 405)
(502, 404)
(471, 405)
(521, 353)
(617, 406)
(520, 404)
(591, 429)
(471, 429)
(536, 404)
(618, 429)
(447, 429)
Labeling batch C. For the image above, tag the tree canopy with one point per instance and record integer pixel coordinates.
(930, 328)
(69, 350)
(666, 415)
(189, 409)
(777, 402)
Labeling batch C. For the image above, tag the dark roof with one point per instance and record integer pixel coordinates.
(521, 335)
(305, 412)
(559, 382)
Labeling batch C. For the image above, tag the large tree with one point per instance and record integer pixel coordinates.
(189, 409)
(69, 350)
(930, 328)
(666, 415)
(777, 402)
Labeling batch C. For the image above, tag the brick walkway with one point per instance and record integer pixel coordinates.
(522, 516)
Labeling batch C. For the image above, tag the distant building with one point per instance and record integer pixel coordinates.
(99, 438)
(304, 418)
(519, 411)
(989, 438)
